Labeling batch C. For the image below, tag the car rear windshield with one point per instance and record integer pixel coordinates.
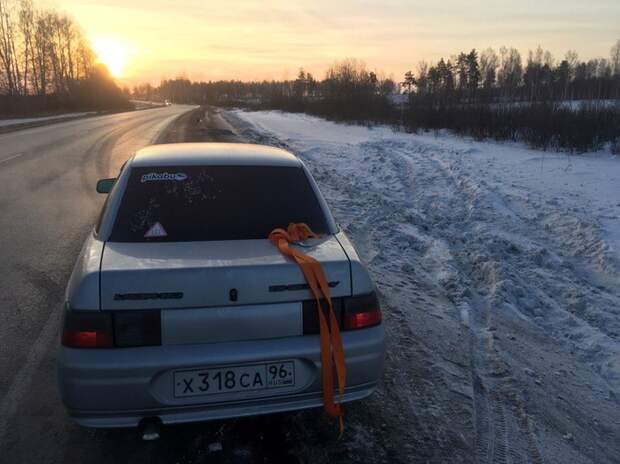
(201, 203)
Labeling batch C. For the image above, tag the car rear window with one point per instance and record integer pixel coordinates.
(201, 203)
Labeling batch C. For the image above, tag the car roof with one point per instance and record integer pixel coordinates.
(208, 154)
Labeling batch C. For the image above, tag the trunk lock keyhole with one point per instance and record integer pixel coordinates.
(233, 294)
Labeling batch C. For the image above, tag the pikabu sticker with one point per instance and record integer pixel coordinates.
(166, 176)
(156, 230)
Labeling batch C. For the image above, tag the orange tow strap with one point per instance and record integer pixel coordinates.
(331, 342)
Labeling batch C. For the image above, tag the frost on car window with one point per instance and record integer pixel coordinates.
(182, 192)
(215, 203)
(141, 219)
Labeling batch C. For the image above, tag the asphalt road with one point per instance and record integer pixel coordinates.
(47, 207)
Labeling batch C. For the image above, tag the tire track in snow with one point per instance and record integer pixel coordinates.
(493, 443)
(493, 383)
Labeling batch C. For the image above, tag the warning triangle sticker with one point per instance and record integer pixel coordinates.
(156, 230)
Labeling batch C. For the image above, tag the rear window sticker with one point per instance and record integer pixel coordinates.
(156, 230)
(155, 176)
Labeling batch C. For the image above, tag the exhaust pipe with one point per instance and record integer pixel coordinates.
(150, 428)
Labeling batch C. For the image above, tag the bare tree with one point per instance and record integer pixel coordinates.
(489, 61)
(85, 59)
(510, 72)
(614, 59)
(8, 47)
(422, 79)
(461, 71)
(43, 52)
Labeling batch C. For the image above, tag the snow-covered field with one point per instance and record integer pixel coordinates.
(18, 121)
(499, 269)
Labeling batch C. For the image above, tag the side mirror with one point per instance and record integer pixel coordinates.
(105, 185)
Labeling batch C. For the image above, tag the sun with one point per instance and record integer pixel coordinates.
(113, 53)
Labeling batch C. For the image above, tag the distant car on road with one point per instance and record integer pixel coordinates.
(179, 309)
(167, 102)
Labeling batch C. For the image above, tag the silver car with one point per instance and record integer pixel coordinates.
(180, 309)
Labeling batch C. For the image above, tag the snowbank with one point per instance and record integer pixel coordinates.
(504, 265)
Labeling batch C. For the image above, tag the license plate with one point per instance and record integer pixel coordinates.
(234, 379)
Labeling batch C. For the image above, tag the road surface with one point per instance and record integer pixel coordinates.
(47, 207)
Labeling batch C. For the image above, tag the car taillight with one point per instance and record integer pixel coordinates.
(87, 329)
(352, 313)
(361, 312)
(98, 329)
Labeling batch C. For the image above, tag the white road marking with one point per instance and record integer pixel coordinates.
(11, 157)
(21, 381)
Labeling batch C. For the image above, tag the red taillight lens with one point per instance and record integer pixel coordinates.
(361, 312)
(87, 329)
(360, 320)
(86, 339)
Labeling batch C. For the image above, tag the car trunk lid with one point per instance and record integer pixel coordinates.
(181, 275)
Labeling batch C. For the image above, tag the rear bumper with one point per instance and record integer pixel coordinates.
(178, 415)
(119, 387)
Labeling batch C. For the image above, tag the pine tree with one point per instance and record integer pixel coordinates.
(473, 73)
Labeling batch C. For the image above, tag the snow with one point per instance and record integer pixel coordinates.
(573, 105)
(14, 122)
(578, 104)
(498, 267)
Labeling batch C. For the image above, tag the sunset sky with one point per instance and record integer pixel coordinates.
(155, 39)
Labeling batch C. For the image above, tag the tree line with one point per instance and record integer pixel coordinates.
(473, 77)
(497, 95)
(483, 95)
(503, 77)
(46, 64)
(348, 91)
